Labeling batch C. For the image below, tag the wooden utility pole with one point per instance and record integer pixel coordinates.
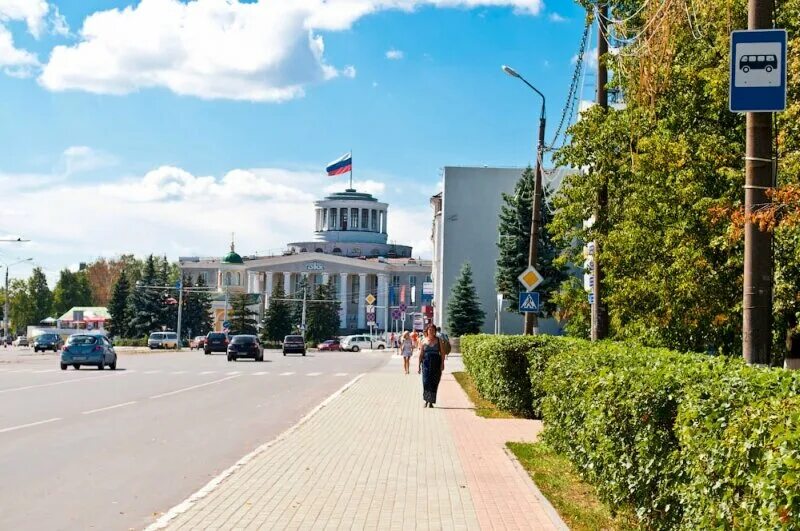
(757, 310)
(599, 311)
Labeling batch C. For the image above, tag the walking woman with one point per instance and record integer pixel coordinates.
(406, 349)
(431, 365)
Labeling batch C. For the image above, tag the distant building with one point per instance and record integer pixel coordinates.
(466, 217)
(349, 246)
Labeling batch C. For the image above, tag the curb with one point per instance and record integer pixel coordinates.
(215, 482)
(555, 518)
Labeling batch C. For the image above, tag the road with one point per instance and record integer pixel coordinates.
(113, 449)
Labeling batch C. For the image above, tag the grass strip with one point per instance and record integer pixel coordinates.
(483, 408)
(575, 500)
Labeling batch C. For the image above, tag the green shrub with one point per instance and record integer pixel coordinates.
(130, 342)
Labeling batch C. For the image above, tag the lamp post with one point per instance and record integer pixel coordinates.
(5, 305)
(531, 318)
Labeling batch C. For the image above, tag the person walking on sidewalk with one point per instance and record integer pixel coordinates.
(406, 350)
(431, 365)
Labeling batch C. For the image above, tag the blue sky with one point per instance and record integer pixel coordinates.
(146, 131)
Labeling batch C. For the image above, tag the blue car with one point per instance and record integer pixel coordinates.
(88, 349)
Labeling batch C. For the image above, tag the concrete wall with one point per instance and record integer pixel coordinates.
(470, 217)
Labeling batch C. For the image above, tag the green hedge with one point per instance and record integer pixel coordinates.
(685, 440)
(130, 342)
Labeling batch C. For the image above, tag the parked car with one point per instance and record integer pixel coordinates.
(88, 349)
(197, 342)
(294, 344)
(47, 342)
(21, 341)
(329, 344)
(356, 343)
(245, 346)
(216, 342)
(163, 340)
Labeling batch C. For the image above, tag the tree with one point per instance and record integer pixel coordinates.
(277, 322)
(102, 275)
(514, 231)
(20, 306)
(118, 307)
(41, 298)
(72, 289)
(196, 318)
(241, 317)
(146, 305)
(322, 320)
(464, 313)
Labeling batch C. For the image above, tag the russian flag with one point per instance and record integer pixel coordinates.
(340, 165)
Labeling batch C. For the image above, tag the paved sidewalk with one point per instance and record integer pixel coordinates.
(374, 458)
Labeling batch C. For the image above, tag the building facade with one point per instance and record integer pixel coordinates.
(349, 248)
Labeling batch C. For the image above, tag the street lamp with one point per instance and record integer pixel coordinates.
(5, 305)
(531, 319)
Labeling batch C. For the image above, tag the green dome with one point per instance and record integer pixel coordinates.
(232, 258)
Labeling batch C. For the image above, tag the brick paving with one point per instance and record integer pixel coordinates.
(374, 458)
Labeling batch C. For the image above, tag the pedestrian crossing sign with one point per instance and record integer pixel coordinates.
(528, 301)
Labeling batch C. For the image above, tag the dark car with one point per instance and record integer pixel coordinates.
(216, 342)
(245, 346)
(294, 344)
(47, 342)
(88, 349)
(330, 344)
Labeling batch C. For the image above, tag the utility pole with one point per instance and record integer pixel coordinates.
(303, 317)
(532, 318)
(599, 311)
(180, 312)
(5, 309)
(757, 310)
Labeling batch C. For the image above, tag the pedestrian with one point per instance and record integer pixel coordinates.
(431, 365)
(415, 338)
(406, 349)
(392, 344)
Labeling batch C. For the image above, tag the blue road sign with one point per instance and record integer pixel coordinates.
(226, 324)
(758, 70)
(528, 301)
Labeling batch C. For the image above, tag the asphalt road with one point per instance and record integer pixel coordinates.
(109, 450)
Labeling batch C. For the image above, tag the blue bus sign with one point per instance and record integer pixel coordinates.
(758, 71)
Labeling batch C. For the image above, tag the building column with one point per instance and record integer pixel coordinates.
(287, 283)
(268, 289)
(383, 300)
(362, 294)
(343, 300)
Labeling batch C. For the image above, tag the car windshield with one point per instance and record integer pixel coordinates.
(82, 340)
(156, 336)
(243, 340)
(216, 336)
(294, 338)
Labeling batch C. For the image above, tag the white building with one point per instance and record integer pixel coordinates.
(349, 247)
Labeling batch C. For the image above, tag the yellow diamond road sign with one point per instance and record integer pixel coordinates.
(530, 278)
(370, 299)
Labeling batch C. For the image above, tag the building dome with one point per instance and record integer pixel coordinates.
(232, 257)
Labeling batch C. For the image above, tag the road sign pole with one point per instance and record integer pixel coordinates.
(180, 313)
(757, 296)
(599, 315)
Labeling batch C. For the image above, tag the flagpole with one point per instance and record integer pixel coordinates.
(351, 168)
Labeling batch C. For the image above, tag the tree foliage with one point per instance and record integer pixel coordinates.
(322, 319)
(118, 307)
(146, 304)
(72, 289)
(277, 322)
(464, 313)
(196, 318)
(242, 318)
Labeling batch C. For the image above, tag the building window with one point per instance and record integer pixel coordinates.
(324, 218)
(396, 280)
(356, 251)
(336, 250)
(238, 279)
(343, 216)
(353, 218)
(364, 218)
(354, 279)
(303, 250)
(412, 280)
(428, 279)
(374, 224)
(203, 277)
(228, 278)
(332, 220)
(318, 250)
(374, 252)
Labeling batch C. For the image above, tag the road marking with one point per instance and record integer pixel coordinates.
(32, 424)
(162, 395)
(46, 370)
(260, 373)
(209, 372)
(287, 373)
(98, 410)
(151, 372)
(76, 379)
(178, 372)
(341, 374)
(232, 373)
(313, 374)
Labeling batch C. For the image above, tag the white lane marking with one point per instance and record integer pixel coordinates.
(232, 373)
(32, 424)
(341, 374)
(45, 370)
(151, 372)
(76, 379)
(209, 372)
(98, 410)
(313, 374)
(287, 373)
(178, 372)
(184, 506)
(193, 387)
(260, 373)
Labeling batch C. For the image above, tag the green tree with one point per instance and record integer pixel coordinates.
(72, 289)
(147, 305)
(41, 298)
(242, 318)
(118, 307)
(196, 318)
(514, 243)
(322, 320)
(20, 306)
(277, 322)
(464, 313)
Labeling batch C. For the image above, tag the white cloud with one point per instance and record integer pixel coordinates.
(18, 62)
(261, 51)
(555, 17)
(394, 55)
(33, 12)
(80, 159)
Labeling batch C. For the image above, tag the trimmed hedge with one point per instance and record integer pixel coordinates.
(685, 440)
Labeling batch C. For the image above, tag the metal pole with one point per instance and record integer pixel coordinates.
(180, 313)
(599, 312)
(303, 317)
(5, 309)
(757, 296)
(531, 318)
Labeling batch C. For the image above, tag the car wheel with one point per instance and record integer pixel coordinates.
(101, 366)
(355, 348)
(63, 366)
(207, 352)
(229, 358)
(113, 366)
(284, 352)
(76, 366)
(304, 352)
(381, 347)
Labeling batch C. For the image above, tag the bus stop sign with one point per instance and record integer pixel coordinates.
(758, 70)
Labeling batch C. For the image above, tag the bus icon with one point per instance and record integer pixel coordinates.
(758, 62)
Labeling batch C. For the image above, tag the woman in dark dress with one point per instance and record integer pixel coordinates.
(431, 365)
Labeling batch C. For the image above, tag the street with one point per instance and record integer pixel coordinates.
(112, 449)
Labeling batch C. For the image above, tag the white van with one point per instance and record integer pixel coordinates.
(163, 340)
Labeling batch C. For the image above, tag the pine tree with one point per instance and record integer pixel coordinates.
(322, 321)
(277, 322)
(40, 296)
(241, 317)
(464, 313)
(72, 289)
(147, 304)
(118, 307)
(515, 230)
(196, 318)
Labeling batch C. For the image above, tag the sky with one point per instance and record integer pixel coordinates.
(163, 126)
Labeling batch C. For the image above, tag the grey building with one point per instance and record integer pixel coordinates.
(465, 229)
